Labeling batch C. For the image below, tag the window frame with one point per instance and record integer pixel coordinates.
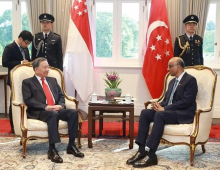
(215, 63)
(16, 19)
(116, 60)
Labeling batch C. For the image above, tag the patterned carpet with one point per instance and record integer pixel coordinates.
(106, 154)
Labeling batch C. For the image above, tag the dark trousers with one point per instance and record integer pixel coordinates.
(10, 116)
(160, 119)
(52, 119)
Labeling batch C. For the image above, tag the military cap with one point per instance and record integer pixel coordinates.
(46, 17)
(191, 19)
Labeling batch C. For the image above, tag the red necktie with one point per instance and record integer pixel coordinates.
(47, 92)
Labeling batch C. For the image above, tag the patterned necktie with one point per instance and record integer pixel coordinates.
(173, 91)
(47, 92)
(22, 52)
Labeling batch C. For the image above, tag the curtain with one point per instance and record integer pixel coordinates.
(35, 8)
(61, 13)
(175, 17)
(199, 8)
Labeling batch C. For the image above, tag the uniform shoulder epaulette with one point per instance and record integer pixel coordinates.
(196, 35)
(37, 33)
(181, 35)
(56, 34)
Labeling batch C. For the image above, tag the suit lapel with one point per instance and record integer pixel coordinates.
(18, 51)
(170, 90)
(38, 85)
(182, 79)
(50, 36)
(186, 37)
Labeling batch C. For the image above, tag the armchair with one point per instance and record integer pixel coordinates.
(196, 133)
(32, 128)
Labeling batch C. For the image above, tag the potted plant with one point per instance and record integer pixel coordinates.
(112, 82)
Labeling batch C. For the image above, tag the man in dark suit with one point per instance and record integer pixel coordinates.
(177, 107)
(189, 45)
(46, 102)
(14, 54)
(47, 43)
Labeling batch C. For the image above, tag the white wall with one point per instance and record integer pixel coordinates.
(132, 83)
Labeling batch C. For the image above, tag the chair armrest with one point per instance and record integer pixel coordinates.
(69, 99)
(202, 124)
(207, 109)
(149, 103)
(19, 117)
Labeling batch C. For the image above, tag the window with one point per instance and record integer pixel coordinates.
(119, 27)
(211, 42)
(13, 19)
(5, 24)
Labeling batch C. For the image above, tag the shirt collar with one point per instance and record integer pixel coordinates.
(46, 33)
(39, 78)
(189, 35)
(181, 76)
(17, 43)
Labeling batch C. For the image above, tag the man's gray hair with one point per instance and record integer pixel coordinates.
(37, 62)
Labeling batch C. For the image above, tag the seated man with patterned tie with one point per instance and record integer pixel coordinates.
(45, 102)
(177, 107)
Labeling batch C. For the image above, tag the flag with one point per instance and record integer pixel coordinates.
(159, 48)
(79, 53)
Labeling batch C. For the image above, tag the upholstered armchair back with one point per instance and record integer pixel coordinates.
(26, 71)
(205, 79)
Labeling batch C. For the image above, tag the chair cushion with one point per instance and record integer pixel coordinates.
(177, 130)
(37, 125)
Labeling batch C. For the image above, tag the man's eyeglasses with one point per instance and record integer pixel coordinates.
(170, 66)
(27, 42)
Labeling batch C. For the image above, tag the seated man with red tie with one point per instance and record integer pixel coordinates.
(46, 102)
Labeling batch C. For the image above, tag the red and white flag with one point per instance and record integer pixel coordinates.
(79, 52)
(159, 48)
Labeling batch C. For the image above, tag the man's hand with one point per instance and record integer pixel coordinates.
(24, 61)
(157, 107)
(55, 108)
(49, 108)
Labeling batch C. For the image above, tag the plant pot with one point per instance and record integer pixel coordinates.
(111, 93)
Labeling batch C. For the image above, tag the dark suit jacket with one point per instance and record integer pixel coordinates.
(51, 49)
(34, 96)
(12, 56)
(194, 54)
(184, 98)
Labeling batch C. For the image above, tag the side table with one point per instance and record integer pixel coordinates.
(102, 107)
(4, 77)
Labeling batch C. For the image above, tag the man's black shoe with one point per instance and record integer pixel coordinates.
(74, 150)
(147, 162)
(54, 156)
(138, 156)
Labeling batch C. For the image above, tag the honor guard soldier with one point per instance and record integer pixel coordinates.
(47, 43)
(189, 45)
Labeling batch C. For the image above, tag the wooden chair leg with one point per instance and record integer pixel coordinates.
(192, 152)
(24, 143)
(79, 135)
(203, 148)
(21, 141)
